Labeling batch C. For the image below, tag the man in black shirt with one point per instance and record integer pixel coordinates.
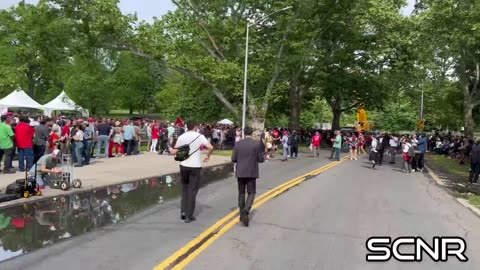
(104, 131)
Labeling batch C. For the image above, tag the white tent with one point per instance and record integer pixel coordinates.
(18, 99)
(225, 122)
(62, 103)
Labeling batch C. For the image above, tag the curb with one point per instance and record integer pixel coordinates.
(81, 190)
(462, 201)
(469, 206)
(434, 176)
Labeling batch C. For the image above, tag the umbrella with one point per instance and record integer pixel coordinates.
(225, 122)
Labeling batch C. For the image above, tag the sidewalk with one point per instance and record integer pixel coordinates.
(105, 172)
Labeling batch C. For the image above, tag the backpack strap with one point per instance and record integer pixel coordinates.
(191, 143)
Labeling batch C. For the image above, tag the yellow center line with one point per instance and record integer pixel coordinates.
(217, 227)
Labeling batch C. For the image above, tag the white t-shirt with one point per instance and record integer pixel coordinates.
(195, 160)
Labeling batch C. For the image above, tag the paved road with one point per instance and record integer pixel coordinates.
(322, 224)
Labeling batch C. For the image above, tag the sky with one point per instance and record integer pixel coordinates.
(147, 9)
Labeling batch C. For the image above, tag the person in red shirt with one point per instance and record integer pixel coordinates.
(54, 138)
(24, 139)
(65, 137)
(316, 140)
(155, 135)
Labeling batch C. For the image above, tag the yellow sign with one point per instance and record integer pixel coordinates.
(421, 124)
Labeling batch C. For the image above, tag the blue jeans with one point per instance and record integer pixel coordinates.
(87, 151)
(79, 152)
(337, 154)
(286, 151)
(25, 154)
(102, 140)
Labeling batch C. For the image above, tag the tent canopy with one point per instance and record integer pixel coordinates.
(19, 99)
(225, 122)
(62, 103)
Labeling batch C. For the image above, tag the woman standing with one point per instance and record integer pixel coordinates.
(406, 157)
(268, 144)
(79, 146)
(149, 134)
(155, 136)
(54, 139)
(361, 144)
(353, 145)
(118, 138)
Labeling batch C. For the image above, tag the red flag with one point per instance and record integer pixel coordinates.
(179, 122)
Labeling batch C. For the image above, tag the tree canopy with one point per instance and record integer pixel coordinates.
(308, 61)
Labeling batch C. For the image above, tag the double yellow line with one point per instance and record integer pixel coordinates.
(190, 251)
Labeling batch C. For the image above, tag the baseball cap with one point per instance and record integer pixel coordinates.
(56, 152)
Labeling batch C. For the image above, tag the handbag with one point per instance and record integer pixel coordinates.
(183, 152)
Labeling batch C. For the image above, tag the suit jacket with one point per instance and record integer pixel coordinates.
(247, 154)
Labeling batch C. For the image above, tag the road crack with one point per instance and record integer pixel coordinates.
(337, 234)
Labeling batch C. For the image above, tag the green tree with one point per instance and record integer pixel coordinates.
(451, 31)
(135, 82)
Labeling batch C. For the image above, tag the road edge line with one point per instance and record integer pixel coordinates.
(256, 205)
(216, 226)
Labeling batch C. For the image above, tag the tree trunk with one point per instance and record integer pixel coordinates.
(468, 119)
(336, 106)
(337, 113)
(130, 111)
(295, 104)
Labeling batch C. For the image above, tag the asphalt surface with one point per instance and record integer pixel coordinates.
(321, 224)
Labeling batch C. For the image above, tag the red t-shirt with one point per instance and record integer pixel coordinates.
(316, 140)
(24, 135)
(155, 133)
(53, 137)
(66, 130)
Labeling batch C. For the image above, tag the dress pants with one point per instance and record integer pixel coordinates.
(421, 161)
(380, 156)
(294, 151)
(190, 178)
(474, 172)
(250, 185)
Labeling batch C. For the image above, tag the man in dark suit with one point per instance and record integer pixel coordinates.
(247, 154)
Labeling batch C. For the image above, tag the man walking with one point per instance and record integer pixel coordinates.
(246, 155)
(190, 168)
(384, 145)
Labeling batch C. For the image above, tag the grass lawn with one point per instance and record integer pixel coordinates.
(474, 200)
(223, 153)
(454, 171)
(448, 166)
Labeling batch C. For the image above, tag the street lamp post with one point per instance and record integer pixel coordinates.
(245, 79)
(421, 107)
